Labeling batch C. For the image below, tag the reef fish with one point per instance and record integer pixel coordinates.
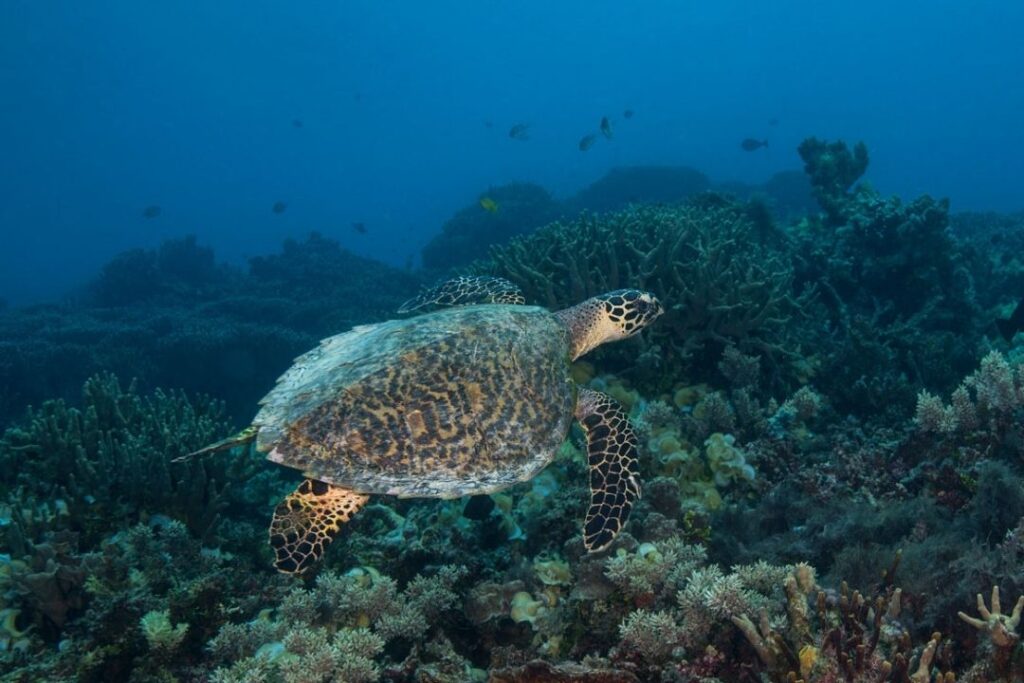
(1009, 327)
(628, 114)
(750, 144)
(606, 127)
(488, 205)
(360, 228)
(520, 131)
(587, 141)
(297, 123)
(279, 207)
(151, 211)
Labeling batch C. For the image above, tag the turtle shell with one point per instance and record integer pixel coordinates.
(462, 401)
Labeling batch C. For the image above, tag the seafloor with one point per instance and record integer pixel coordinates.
(832, 454)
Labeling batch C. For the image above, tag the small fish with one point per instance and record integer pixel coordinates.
(360, 228)
(587, 141)
(628, 114)
(750, 144)
(488, 205)
(152, 211)
(773, 122)
(520, 131)
(488, 123)
(1009, 327)
(297, 123)
(279, 207)
(606, 127)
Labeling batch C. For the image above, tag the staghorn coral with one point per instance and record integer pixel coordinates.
(721, 285)
(112, 458)
(833, 169)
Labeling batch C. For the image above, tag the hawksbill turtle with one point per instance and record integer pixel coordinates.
(468, 397)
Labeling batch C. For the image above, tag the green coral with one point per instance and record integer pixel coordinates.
(113, 458)
(833, 169)
(163, 637)
(723, 279)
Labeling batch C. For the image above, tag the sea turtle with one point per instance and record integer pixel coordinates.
(465, 400)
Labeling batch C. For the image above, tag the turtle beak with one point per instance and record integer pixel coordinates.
(652, 309)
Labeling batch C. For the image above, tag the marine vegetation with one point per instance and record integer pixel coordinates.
(721, 268)
(517, 208)
(174, 317)
(826, 422)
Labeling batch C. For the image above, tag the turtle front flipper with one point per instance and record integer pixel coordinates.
(307, 521)
(464, 291)
(614, 469)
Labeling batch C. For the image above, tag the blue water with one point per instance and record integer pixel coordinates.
(109, 107)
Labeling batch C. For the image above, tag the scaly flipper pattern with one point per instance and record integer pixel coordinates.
(614, 469)
(306, 522)
(463, 291)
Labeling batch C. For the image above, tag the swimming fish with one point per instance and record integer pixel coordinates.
(360, 228)
(628, 114)
(489, 205)
(750, 144)
(1009, 327)
(587, 141)
(606, 127)
(297, 123)
(279, 207)
(773, 122)
(520, 131)
(151, 211)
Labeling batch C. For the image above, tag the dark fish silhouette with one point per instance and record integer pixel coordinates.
(773, 122)
(297, 123)
(488, 123)
(360, 228)
(520, 131)
(151, 211)
(1009, 327)
(628, 114)
(750, 144)
(587, 141)
(279, 207)
(606, 127)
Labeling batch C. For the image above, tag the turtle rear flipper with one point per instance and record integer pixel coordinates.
(307, 521)
(464, 291)
(614, 470)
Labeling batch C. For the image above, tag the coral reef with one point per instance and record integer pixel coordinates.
(830, 428)
(466, 236)
(625, 185)
(170, 317)
(724, 281)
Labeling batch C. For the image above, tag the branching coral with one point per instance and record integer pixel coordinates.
(986, 406)
(721, 284)
(833, 169)
(112, 458)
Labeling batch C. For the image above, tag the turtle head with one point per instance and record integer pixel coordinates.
(609, 317)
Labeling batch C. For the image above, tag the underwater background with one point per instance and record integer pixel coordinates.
(825, 197)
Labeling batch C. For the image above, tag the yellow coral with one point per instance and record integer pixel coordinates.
(689, 395)
(808, 658)
(525, 608)
(552, 572)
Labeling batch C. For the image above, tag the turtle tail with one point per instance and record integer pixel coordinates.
(243, 437)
